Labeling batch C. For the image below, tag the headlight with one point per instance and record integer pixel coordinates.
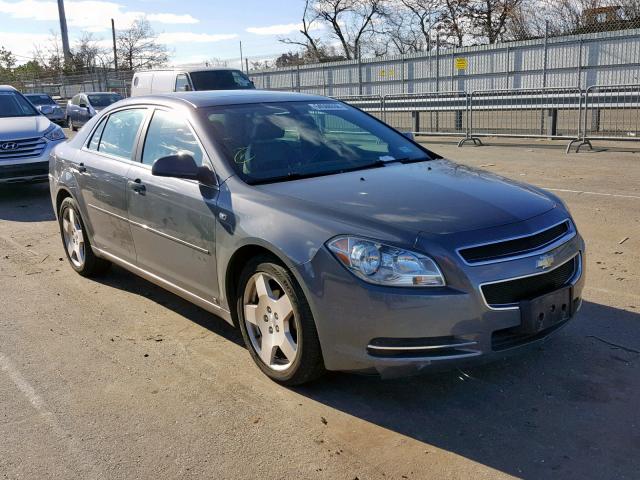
(382, 264)
(54, 133)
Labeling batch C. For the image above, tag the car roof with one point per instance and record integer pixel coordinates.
(7, 88)
(212, 98)
(98, 93)
(36, 93)
(189, 69)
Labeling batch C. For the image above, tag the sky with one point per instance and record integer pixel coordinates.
(194, 31)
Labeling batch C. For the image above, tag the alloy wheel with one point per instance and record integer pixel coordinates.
(73, 237)
(271, 323)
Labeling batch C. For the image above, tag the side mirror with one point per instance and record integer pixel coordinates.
(82, 105)
(182, 166)
(46, 109)
(409, 135)
(187, 88)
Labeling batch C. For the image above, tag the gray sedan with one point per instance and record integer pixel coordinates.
(331, 240)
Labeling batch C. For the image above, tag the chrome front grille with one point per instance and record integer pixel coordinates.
(514, 247)
(24, 148)
(509, 293)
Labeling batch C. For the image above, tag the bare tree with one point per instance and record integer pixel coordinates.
(88, 52)
(50, 55)
(138, 47)
(454, 23)
(310, 43)
(350, 21)
(425, 16)
(489, 17)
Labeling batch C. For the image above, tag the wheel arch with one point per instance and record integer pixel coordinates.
(236, 264)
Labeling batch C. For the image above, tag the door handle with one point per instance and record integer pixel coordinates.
(137, 186)
(80, 168)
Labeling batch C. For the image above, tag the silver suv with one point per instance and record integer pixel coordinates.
(26, 139)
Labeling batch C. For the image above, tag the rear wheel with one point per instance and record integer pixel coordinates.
(277, 324)
(76, 241)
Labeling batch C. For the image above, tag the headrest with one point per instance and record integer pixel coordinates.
(266, 130)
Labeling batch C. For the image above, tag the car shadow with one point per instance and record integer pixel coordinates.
(563, 409)
(124, 280)
(26, 202)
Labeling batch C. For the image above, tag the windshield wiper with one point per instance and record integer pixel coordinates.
(406, 160)
(297, 176)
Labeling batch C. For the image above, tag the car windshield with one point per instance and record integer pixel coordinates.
(269, 142)
(41, 99)
(103, 99)
(220, 80)
(12, 104)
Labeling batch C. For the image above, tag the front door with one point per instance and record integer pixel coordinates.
(173, 220)
(101, 172)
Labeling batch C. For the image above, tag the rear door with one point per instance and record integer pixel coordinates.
(172, 219)
(101, 172)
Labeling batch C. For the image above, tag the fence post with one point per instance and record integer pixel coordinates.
(579, 72)
(508, 67)
(298, 77)
(359, 73)
(438, 63)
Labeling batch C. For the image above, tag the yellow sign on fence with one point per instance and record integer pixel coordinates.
(461, 63)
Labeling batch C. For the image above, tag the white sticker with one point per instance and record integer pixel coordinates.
(328, 106)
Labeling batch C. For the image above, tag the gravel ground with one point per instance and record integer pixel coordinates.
(118, 379)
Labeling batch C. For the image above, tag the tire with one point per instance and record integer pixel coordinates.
(76, 243)
(294, 328)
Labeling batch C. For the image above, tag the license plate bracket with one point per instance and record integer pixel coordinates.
(546, 311)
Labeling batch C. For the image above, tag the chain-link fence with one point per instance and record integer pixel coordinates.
(600, 112)
(569, 61)
(66, 86)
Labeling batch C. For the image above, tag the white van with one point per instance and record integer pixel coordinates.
(185, 80)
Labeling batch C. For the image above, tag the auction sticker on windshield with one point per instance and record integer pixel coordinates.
(328, 106)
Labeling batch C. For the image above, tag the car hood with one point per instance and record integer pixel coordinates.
(437, 197)
(16, 128)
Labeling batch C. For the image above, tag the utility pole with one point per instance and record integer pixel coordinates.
(64, 33)
(241, 62)
(113, 36)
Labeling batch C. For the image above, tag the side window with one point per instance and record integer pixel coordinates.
(182, 83)
(168, 135)
(95, 139)
(120, 131)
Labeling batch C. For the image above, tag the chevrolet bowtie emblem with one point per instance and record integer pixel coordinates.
(545, 261)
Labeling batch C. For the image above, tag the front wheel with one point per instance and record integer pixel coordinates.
(277, 324)
(76, 241)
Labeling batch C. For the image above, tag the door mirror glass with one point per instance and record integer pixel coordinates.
(82, 105)
(46, 109)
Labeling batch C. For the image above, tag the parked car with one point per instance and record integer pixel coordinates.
(26, 139)
(184, 80)
(84, 106)
(333, 241)
(47, 106)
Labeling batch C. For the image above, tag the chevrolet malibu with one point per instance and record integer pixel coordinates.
(331, 240)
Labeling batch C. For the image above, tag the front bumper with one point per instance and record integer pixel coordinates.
(359, 324)
(27, 169)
